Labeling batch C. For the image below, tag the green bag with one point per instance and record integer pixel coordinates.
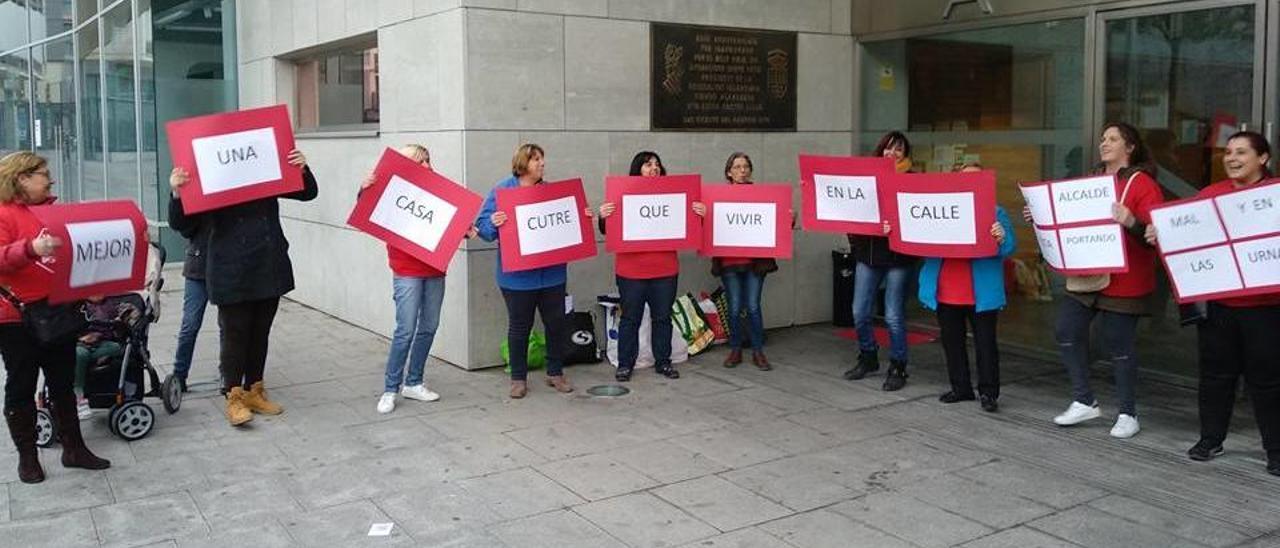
(537, 356)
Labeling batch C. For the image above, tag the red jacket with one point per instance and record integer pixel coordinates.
(19, 270)
(1144, 194)
(406, 265)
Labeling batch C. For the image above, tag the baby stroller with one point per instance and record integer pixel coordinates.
(119, 382)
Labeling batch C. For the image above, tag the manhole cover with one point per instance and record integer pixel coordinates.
(608, 390)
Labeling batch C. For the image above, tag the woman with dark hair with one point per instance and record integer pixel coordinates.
(877, 263)
(743, 280)
(645, 278)
(1116, 301)
(1237, 337)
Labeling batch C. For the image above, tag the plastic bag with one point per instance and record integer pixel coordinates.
(537, 356)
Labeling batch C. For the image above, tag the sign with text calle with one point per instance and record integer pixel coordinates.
(840, 194)
(545, 225)
(940, 214)
(234, 157)
(751, 220)
(653, 213)
(416, 210)
(1074, 227)
(104, 248)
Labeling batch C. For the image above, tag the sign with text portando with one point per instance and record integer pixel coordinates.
(1222, 246)
(234, 157)
(946, 215)
(104, 248)
(653, 213)
(752, 220)
(840, 194)
(545, 225)
(416, 210)
(1074, 227)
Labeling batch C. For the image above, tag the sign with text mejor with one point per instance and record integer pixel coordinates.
(1074, 227)
(545, 225)
(416, 210)
(945, 215)
(840, 194)
(104, 248)
(653, 213)
(1223, 246)
(234, 157)
(747, 221)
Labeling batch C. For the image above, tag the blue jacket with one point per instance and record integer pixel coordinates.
(988, 274)
(538, 278)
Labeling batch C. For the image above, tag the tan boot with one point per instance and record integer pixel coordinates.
(519, 389)
(256, 400)
(560, 383)
(237, 413)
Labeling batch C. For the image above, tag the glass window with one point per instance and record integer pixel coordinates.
(15, 114)
(338, 89)
(88, 57)
(55, 133)
(122, 127)
(85, 10)
(13, 24)
(49, 18)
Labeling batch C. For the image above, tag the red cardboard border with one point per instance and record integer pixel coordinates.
(983, 186)
(778, 194)
(618, 186)
(838, 165)
(507, 200)
(56, 217)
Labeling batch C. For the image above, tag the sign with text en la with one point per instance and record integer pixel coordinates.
(840, 193)
(103, 251)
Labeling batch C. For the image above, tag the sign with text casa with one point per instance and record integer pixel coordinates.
(1074, 227)
(653, 213)
(839, 193)
(941, 214)
(103, 252)
(234, 157)
(416, 210)
(1223, 246)
(747, 221)
(545, 225)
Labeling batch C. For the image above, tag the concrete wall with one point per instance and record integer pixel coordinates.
(472, 79)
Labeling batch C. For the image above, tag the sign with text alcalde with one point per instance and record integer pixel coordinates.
(1223, 246)
(653, 213)
(416, 210)
(103, 252)
(839, 193)
(1074, 227)
(945, 215)
(752, 220)
(545, 225)
(234, 157)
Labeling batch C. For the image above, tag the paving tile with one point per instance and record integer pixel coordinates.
(596, 477)
(68, 529)
(1039, 485)
(433, 515)
(823, 529)
(910, 519)
(327, 486)
(488, 454)
(323, 419)
(179, 473)
(269, 535)
(585, 436)
(4, 503)
(559, 529)
(738, 406)
(131, 523)
(247, 501)
(1018, 537)
(1089, 527)
(519, 493)
(312, 393)
(394, 434)
(729, 448)
(750, 537)
(642, 520)
(1269, 541)
(56, 494)
(1212, 533)
(343, 525)
(795, 482)
(987, 505)
(721, 503)
(323, 450)
(667, 462)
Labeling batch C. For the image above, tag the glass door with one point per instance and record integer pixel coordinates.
(55, 128)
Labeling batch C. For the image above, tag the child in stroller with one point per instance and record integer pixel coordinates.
(110, 322)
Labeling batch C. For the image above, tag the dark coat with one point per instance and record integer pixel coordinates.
(874, 251)
(193, 264)
(246, 253)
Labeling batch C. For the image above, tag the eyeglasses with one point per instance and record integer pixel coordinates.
(44, 172)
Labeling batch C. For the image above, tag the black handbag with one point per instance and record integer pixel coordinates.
(50, 323)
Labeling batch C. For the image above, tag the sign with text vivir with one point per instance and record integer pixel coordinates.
(103, 252)
(941, 214)
(653, 213)
(747, 220)
(1074, 227)
(545, 225)
(840, 193)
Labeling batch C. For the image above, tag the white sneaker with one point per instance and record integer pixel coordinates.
(1126, 426)
(83, 410)
(1077, 413)
(387, 403)
(419, 392)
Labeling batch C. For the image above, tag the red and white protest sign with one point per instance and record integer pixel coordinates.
(940, 214)
(234, 157)
(840, 193)
(1223, 246)
(653, 213)
(416, 210)
(545, 225)
(752, 220)
(103, 252)
(1074, 227)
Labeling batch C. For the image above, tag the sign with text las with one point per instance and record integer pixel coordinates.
(839, 193)
(234, 157)
(747, 221)
(1224, 246)
(545, 225)
(940, 214)
(416, 210)
(653, 213)
(1074, 227)
(103, 252)
(710, 78)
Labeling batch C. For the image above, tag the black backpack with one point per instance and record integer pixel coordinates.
(582, 339)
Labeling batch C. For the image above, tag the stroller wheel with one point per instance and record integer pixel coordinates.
(45, 431)
(133, 420)
(111, 418)
(171, 394)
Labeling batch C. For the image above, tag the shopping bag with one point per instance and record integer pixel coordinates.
(689, 323)
(537, 356)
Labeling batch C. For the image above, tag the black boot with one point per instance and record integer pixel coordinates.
(868, 362)
(74, 452)
(623, 374)
(668, 371)
(22, 428)
(896, 377)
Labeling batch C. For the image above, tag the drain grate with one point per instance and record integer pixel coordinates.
(608, 390)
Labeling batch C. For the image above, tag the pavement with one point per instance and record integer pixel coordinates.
(794, 457)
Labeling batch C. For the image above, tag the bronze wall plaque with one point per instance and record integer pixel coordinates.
(718, 79)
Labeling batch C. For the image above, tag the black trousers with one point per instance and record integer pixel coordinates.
(24, 358)
(246, 330)
(1236, 342)
(954, 320)
(521, 304)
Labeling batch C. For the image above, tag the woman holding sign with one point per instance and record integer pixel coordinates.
(743, 280)
(25, 248)
(1237, 336)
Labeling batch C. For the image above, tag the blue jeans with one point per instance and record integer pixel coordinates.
(866, 287)
(194, 299)
(418, 303)
(744, 288)
(659, 294)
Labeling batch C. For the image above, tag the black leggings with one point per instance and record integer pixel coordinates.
(246, 329)
(521, 304)
(952, 320)
(24, 358)
(1236, 342)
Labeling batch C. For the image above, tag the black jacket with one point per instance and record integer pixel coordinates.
(874, 251)
(197, 244)
(246, 254)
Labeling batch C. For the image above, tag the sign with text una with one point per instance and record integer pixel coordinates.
(104, 249)
(545, 225)
(840, 193)
(747, 220)
(653, 213)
